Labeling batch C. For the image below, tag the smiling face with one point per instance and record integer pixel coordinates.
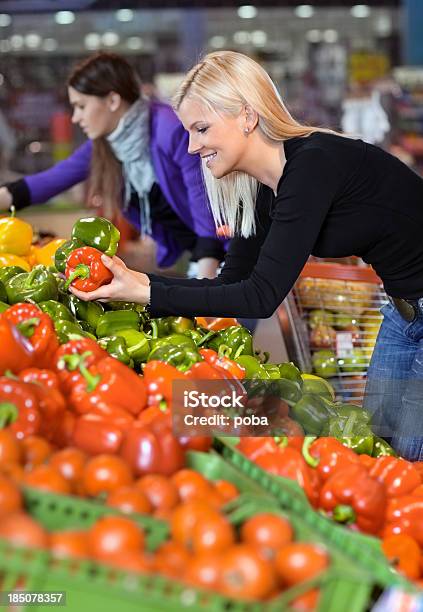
(219, 139)
(95, 116)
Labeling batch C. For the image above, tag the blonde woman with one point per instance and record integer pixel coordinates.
(287, 191)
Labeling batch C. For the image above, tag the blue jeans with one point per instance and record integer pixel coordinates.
(394, 390)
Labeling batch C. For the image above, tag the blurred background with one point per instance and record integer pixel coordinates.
(357, 67)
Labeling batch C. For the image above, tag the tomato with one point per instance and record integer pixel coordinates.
(212, 534)
(131, 561)
(203, 570)
(268, 532)
(113, 535)
(191, 485)
(47, 478)
(36, 450)
(69, 544)
(10, 496)
(105, 473)
(70, 463)
(300, 561)
(185, 517)
(307, 602)
(226, 489)
(22, 530)
(128, 500)
(244, 574)
(171, 559)
(10, 448)
(160, 491)
(14, 471)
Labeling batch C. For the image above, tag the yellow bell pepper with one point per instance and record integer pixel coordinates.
(8, 259)
(45, 254)
(15, 235)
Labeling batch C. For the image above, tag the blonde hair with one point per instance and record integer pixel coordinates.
(226, 82)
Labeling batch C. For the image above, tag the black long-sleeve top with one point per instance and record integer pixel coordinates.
(336, 197)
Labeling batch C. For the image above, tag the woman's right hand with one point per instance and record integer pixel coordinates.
(5, 198)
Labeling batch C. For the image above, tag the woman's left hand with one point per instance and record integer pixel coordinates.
(127, 285)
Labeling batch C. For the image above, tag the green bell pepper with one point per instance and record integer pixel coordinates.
(273, 370)
(195, 335)
(181, 357)
(68, 330)
(9, 271)
(233, 342)
(116, 347)
(90, 312)
(116, 305)
(63, 253)
(3, 292)
(3, 306)
(56, 310)
(352, 432)
(115, 320)
(137, 344)
(253, 367)
(160, 327)
(287, 390)
(179, 325)
(312, 413)
(97, 232)
(345, 410)
(177, 339)
(38, 285)
(290, 371)
(381, 448)
(86, 327)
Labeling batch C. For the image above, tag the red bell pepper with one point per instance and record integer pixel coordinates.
(96, 435)
(228, 366)
(152, 448)
(105, 385)
(289, 463)
(47, 378)
(16, 352)
(404, 554)
(398, 475)
(327, 455)
(51, 402)
(38, 327)
(405, 515)
(67, 369)
(158, 379)
(353, 497)
(85, 271)
(18, 408)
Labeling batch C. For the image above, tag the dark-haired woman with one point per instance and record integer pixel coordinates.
(135, 158)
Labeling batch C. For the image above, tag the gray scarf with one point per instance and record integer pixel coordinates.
(130, 142)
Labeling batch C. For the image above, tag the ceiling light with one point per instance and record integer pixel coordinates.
(383, 25)
(92, 40)
(124, 15)
(35, 146)
(330, 36)
(259, 38)
(17, 41)
(50, 44)
(5, 20)
(360, 10)
(217, 42)
(135, 43)
(110, 39)
(64, 17)
(304, 11)
(247, 11)
(242, 37)
(33, 40)
(314, 36)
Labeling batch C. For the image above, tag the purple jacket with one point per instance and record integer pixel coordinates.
(178, 175)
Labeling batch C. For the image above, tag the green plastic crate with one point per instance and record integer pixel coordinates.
(63, 511)
(360, 548)
(92, 585)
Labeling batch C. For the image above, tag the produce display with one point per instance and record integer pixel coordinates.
(87, 413)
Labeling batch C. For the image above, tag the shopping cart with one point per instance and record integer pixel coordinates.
(330, 322)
